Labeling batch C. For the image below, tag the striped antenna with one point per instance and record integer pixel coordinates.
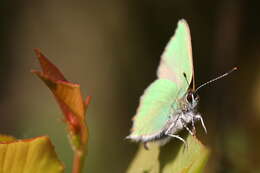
(217, 78)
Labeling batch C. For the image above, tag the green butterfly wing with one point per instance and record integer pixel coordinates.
(154, 108)
(161, 97)
(177, 58)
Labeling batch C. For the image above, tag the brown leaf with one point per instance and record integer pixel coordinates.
(67, 94)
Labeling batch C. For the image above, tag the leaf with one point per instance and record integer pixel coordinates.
(171, 158)
(35, 155)
(6, 138)
(67, 94)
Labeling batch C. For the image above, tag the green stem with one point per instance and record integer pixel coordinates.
(79, 144)
(80, 151)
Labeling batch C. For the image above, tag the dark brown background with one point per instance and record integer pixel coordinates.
(112, 48)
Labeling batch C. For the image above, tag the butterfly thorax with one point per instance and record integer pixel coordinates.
(185, 114)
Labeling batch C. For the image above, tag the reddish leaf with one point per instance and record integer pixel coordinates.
(48, 68)
(67, 94)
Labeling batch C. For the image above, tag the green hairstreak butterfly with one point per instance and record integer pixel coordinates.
(169, 105)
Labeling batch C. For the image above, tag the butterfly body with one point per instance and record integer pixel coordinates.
(179, 118)
(168, 105)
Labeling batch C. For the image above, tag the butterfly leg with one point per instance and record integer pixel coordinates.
(169, 129)
(180, 138)
(193, 125)
(185, 126)
(146, 146)
(202, 122)
(168, 133)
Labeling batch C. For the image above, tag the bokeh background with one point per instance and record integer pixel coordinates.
(112, 48)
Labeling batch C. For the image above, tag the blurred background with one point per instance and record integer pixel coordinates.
(112, 48)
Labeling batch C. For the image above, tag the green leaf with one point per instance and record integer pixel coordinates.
(35, 155)
(170, 158)
(6, 138)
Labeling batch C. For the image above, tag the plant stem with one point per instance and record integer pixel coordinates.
(80, 151)
(78, 161)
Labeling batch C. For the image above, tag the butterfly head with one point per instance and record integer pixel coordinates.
(192, 99)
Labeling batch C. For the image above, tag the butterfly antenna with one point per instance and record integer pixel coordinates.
(193, 80)
(217, 78)
(185, 76)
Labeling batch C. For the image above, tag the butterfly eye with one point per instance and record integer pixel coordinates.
(189, 98)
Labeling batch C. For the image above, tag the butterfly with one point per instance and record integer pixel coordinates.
(169, 105)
